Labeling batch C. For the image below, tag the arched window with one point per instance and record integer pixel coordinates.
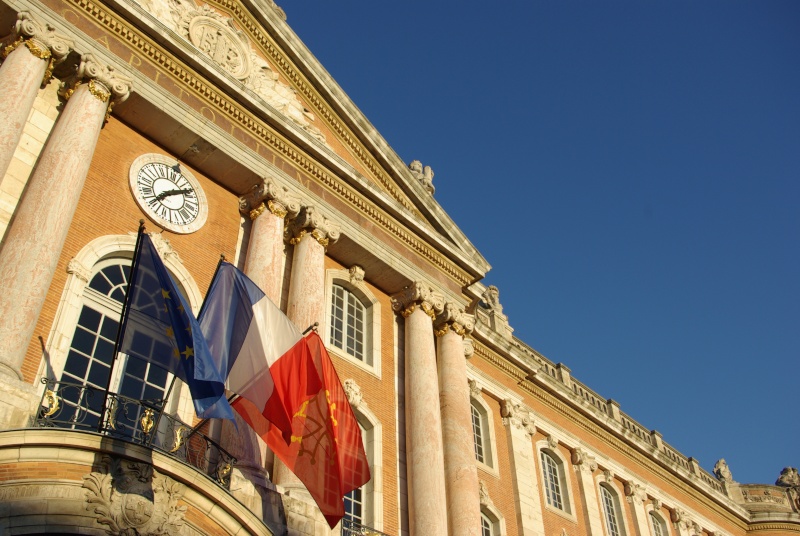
(348, 324)
(553, 474)
(658, 526)
(611, 511)
(479, 435)
(487, 527)
(90, 357)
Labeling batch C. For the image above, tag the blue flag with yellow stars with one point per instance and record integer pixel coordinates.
(159, 327)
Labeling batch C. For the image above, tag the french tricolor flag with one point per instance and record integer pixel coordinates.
(263, 355)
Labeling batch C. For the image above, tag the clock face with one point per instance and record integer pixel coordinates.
(168, 193)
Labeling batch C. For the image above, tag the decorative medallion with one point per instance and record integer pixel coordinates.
(219, 41)
(168, 194)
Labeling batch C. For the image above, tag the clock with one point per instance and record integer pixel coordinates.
(168, 193)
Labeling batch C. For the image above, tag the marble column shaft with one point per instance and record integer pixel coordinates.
(461, 473)
(311, 232)
(27, 66)
(267, 205)
(36, 236)
(427, 497)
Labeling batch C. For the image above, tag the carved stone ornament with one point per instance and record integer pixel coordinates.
(217, 38)
(657, 504)
(423, 174)
(130, 498)
(104, 82)
(474, 389)
(552, 442)
(453, 318)
(517, 416)
(583, 459)
(608, 475)
(680, 518)
(635, 492)
(310, 221)
(484, 494)
(353, 393)
(491, 297)
(469, 348)
(356, 274)
(42, 41)
(163, 247)
(722, 471)
(418, 294)
(789, 478)
(269, 195)
(76, 268)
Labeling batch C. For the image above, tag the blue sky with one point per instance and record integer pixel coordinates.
(631, 170)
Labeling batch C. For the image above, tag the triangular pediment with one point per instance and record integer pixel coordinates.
(250, 46)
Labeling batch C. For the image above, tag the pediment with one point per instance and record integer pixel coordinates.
(249, 43)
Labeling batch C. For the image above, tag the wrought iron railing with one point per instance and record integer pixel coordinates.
(144, 422)
(351, 528)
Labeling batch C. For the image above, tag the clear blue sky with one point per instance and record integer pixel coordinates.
(631, 170)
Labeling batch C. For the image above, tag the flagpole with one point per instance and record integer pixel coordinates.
(122, 321)
(213, 278)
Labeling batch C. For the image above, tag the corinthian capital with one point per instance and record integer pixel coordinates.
(418, 294)
(517, 416)
(310, 221)
(41, 40)
(104, 82)
(453, 318)
(269, 195)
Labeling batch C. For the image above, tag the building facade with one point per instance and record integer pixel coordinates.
(215, 124)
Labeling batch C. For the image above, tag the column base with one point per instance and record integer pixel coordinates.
(19, 402)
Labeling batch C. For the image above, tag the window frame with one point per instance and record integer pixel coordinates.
(372, 320)
(614, 492)
(489, 464)
(80, 271)
(656, 520)
(567, 497)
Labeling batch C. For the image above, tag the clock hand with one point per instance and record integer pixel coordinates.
(168, 193)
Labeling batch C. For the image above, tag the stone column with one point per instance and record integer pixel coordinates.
(28, 65)
(636, 495)
(427, 502)
(267, 204)
(519, 431)
(461, 474)
(585, 465)
(37, 233)
(310, 233)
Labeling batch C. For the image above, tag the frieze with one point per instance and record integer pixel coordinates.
(132, 498)
(753, 494)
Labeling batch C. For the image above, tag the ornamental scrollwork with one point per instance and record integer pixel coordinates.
(418, 294)
(311, 221)
(517, 416)
(584, 460)
(42, 40)
(635, 492)
(269, 195)
(455, 319)
(130, 498)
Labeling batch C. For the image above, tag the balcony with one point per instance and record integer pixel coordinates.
(351, 528)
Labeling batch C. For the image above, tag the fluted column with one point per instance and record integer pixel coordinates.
(461, 474)
(37, 233)
(585, 465)
(310, 233)
(27, 66)
(427, 502)
(636, 495)
(268, 204)
(520, 428)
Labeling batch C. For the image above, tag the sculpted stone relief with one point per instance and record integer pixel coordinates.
(131, 498)
(217, 37)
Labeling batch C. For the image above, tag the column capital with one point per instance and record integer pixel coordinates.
(518, 416)
(311, 221)
(269, 195)
(41, 39)
(453, 318)
(103, 81)
(583, 460)
(418, 294)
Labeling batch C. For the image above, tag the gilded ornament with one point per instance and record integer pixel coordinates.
(408, 310)
(223, 471)
(320, 237)
(297, 239)
(178, 438)
(53, 402)
(428, 310)
(276, 208)
(111, 411)
(147, 421)
(98, 91)
(256, 212)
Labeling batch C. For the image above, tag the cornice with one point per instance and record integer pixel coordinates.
(577, 416)
(237, 113)
(772, 526)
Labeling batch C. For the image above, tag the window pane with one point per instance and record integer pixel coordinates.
(552, 481)
(609, 508)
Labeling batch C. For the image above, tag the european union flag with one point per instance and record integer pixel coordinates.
(159, 327)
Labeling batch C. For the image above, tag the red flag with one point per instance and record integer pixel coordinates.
(325, 452)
